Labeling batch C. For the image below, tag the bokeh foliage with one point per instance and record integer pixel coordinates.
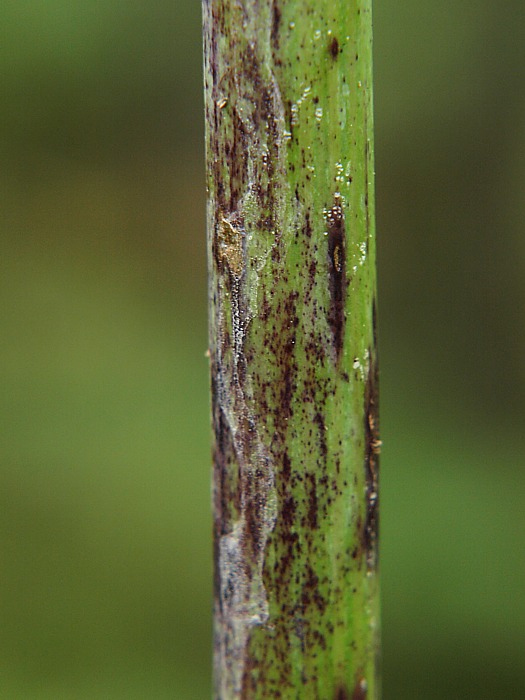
(104, 475)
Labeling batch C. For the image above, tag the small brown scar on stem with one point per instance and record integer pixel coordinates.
(373, 448)
(337, 272)
(360, 690)
(276, 22)
(334, 48)
(342, 693)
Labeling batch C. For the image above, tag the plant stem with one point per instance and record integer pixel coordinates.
(291, 246)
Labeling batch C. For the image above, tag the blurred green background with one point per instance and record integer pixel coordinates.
(104, 474)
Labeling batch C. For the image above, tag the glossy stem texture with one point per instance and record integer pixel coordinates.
(292, 290)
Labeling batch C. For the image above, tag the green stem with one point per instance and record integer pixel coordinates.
(291, 245)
